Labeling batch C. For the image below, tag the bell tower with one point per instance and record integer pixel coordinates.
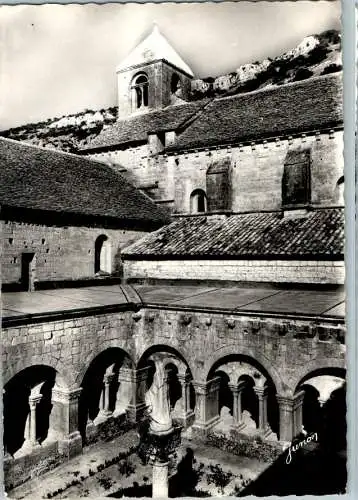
(152, 77)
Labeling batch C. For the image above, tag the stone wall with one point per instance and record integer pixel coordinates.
(256, 172)
(61, 253)
(284, 352)
(276, 271)
(142, 170)
(255, 175)
(287, 349)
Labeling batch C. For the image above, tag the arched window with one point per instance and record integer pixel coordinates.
(140, 92)
(197, 201)
(103, 258)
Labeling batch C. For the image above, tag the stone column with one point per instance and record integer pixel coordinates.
(262, 397)
(107, 381)
(290, 416)
(64, 420)
(31, 441)
(183, 412)
(287, 431)
(7, 455)
(135, 380)
(207, 404)
(237, 409)
(104, 411)
(33, 401)
(297, 412)
(160, 479)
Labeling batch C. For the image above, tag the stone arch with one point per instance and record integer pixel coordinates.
(30, 387)
(102, 393)
(63, 377)
(250, 378)
(91, 356)
(257, 357)
(164, 348)
(236, 369)
(315, 367)
(324, 406)
(181, 394)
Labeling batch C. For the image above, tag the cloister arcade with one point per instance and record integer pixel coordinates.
(237, 393)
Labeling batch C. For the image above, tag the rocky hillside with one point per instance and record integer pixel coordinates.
(315, 55)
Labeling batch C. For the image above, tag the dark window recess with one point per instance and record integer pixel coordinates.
(201, 203)
(296, 179)
(197, 201)
(175, 83)
(218, 187)
(161, 137)
(27, 271)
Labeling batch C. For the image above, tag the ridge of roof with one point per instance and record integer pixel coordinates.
(297, 106)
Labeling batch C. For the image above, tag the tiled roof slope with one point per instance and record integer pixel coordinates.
(296, 107)
(136, 128)
(48, 180)
(320, 233)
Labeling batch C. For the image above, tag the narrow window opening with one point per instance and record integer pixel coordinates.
(103, 259)
(28, 270)
(198, 201)
(140, 92)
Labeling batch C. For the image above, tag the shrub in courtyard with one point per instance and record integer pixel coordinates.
(218, 477)
(248, 447)
(105, 482)
(125, 467)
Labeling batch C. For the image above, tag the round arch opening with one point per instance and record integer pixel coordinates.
(103, 395)
(24, 428)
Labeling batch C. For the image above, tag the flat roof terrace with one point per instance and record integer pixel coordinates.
(45, 305)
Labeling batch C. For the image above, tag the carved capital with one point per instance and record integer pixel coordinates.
(261, 392)
(62, 395)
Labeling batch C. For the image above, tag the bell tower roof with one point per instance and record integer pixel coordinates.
(153, 48)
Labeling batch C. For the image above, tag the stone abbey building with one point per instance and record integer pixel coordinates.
(203, 235)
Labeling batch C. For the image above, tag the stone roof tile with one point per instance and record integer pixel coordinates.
(136, 128)
(50, 180)
(269, 235)
(313, 104)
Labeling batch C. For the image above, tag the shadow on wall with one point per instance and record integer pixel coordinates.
(315, 469)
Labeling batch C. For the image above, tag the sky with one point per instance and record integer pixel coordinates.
(60, 59)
